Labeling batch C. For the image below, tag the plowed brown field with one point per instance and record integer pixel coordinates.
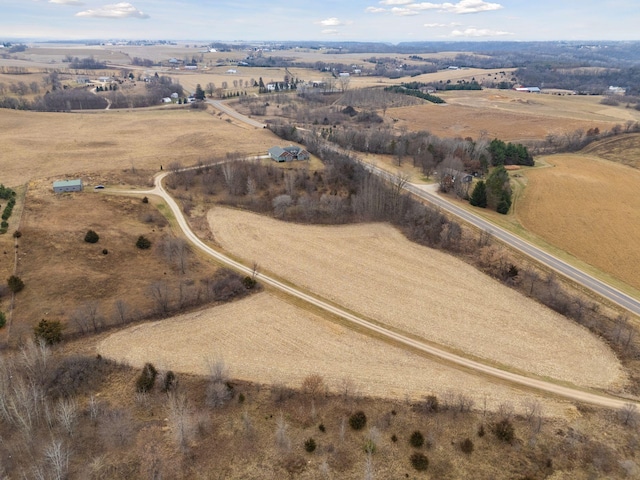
(588, 207)
(373, 270)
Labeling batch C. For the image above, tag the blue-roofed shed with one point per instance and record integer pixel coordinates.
(67, 186)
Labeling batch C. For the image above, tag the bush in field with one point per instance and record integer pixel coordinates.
(147, 378)
(3, 320)
(143, 243)
(48, 330)
(91, 237)
(358, 420)
(310, 445)
(170, 382)
(416, 439)
(504, 431)
(15, 283)
(419, 461)
(466, 446)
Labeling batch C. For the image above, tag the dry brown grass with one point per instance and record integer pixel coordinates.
(510, 115)
(588, 207)
(58, 144)
(622, 149)
(264, 339)
(62, 272)
(375, 271)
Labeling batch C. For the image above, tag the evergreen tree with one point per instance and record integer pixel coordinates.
(499, 190)
(479, 195)
(199, 93)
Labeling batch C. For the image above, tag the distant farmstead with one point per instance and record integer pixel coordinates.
(288, 154)
(528, 89)
(62, 186)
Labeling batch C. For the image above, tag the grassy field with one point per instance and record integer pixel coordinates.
(510, 115)
(621, 149)
(38, 145)
(283, 341)
(64, 274)
(588, 207)
(372, 269)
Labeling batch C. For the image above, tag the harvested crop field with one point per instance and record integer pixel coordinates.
(509, 115)
(599, 218)
(623, 149)
(49, 144)
(267, 340)
(374, 270)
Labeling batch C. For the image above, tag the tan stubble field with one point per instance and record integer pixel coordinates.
(267, 340)
(40, 145)
(588, 207)
(510, 115)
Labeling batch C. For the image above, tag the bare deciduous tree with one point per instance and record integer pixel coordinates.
(159, 293)
(282, 436)
(122, 311)
(629, 414)
(67, 414)
(56, 455)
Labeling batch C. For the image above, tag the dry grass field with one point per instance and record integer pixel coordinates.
(588, 207)
(64, 274)
(621, 149)
(374, 270)
(510, 115)
(65, 144)
(264, 339)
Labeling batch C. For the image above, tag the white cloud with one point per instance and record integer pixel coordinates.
(408, 7)
(441, 25)
(330, 31)
(67, 2)
(118, 10)
(479, 32)
(331, 22)
(470, 6)
(403, 12)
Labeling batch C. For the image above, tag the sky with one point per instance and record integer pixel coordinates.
(328, 20)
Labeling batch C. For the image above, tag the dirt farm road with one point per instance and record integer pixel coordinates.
(573, 394)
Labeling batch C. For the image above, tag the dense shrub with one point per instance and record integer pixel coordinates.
(3, 320)
(504, 431)
(143, 242)
(466, 446)
(310, 445)
(416, 439)
(225, 285)
(91, 237)
(419, 461)
(170, 382)
(15, 283)
(147, 378)
(358, 420)
(431, 404)
(48, 330)
(249, 282)
(76, 374)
